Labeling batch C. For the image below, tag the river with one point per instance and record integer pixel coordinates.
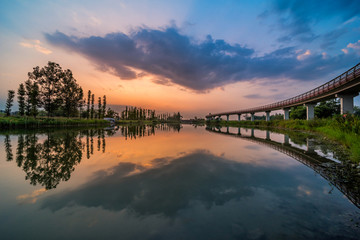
(175, 182)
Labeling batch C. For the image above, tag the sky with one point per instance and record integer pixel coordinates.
(195, 57)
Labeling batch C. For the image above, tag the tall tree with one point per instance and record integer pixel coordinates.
(81, 105)
(21, 99)
(99, 107)
(104, 106)
(327, 109)
(8, 148)
(28, 90)
(34, 99)
(49, 80)
(88, 104)
(92, 106)
(71, 94)
(9, 102)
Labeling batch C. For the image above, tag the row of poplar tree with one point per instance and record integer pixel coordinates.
(134, 113)
(57, 92)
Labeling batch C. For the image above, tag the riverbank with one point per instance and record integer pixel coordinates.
(39, 122)
(344, 130)
(30, 122)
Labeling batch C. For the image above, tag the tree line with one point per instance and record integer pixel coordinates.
(135, 113)
(57, 92)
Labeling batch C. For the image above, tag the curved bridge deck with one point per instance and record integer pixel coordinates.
(346, 85)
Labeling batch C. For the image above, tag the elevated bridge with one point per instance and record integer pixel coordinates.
(345, 87)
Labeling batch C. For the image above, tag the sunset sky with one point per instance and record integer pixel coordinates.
(194, 57)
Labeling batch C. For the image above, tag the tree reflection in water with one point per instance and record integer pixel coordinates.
(8, 148)
(50, 160)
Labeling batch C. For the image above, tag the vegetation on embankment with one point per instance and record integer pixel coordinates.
(30, 122)
(342, 129)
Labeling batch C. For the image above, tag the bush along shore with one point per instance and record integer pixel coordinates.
(30, 122)
(18, 122)
(342, 129)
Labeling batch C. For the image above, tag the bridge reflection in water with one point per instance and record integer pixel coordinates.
(343, 175)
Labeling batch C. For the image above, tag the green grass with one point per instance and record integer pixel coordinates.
(344, 130)
(30, 122)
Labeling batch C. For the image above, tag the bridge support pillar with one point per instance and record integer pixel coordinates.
(310, 146)
(286, 113)
(346, 102)
(227, 118)
(286, 139)
(239, 132)
(268, 135)
(310, 113)
(252, 116)
(239, 116)
(267, 115)
(252, 133)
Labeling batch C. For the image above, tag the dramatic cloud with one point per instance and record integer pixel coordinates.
(175, 58)
(297, 17)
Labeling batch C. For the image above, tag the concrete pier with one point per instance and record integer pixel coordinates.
(286, 139)
(310, 145)
(252, 116)
(310, 113)
(286, 113)
(346, 102)
(239, 117)
(267, 115)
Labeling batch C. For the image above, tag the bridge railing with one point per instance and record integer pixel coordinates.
(340, 80)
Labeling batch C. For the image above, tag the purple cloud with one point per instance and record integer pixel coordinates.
(176, 59)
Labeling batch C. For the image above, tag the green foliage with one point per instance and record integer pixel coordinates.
(111, 113)
(99, 108)
(88, 104)
(71, 94)
(277, 116)
(49, 80)
(30, 122)
(92, 111)
(356, 111)
(21, 99)
(52, 88)
(34, 99)
(104, 106)
(9, 102)
(327, 109)
(298, 112)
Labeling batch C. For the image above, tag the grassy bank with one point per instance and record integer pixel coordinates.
(29, 122)
(344, 130)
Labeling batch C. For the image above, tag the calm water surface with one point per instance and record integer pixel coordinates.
(177, 182)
